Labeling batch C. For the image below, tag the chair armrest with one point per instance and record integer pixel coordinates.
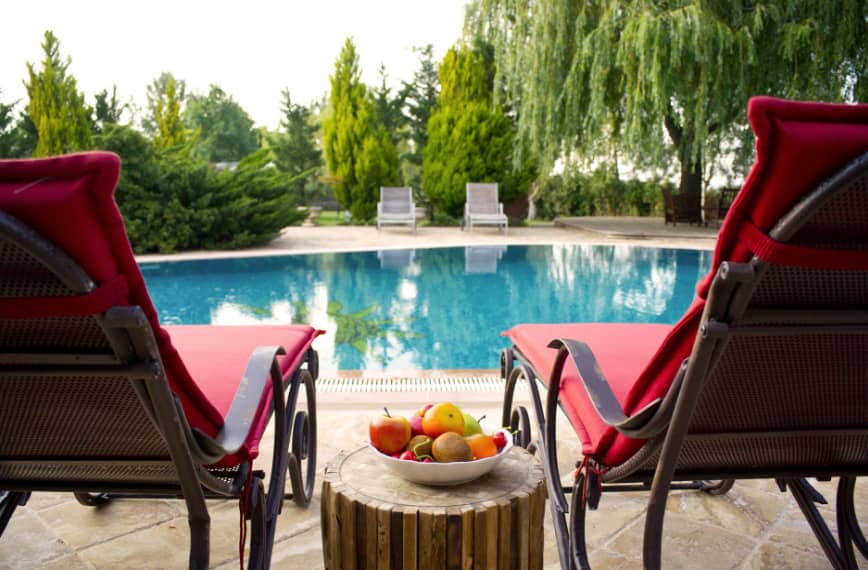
(261, 367)
(379, 208)
(500, 206)
(598, 388)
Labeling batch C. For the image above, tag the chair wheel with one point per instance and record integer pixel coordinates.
(92, 499)
(717, 487)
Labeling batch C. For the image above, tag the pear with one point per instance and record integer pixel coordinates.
(471, 426)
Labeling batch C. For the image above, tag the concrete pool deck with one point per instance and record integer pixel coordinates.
(753, 526)
(649, 232)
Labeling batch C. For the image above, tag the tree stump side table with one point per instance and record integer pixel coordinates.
(371, 518)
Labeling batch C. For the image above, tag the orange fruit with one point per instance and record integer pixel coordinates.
(441, 418)
(481, 445)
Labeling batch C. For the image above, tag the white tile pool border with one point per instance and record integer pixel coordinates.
(479, 383)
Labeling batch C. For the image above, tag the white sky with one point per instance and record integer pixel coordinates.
(251, 49)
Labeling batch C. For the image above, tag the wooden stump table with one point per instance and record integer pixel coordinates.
(371, 518)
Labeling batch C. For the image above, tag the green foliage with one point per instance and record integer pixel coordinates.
(377, 166)
(155, 93)
(443, 219)
(56, 107)
(351, 138)
(601, 193)
(469, 139)
(419, 97)
(170, 131)
(20, 140)
(344, 131)
(172, 202)
(628, 74)
(107, 110)
(466, 143)
(387, 109)
(226, 130)
(9, 132)
(295, 149)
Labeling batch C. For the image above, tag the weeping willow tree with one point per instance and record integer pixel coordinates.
(657, 79)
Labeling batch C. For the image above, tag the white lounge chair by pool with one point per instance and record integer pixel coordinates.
(396, 207)
(483, 208)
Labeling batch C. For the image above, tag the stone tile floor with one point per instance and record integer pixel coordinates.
(753, 526)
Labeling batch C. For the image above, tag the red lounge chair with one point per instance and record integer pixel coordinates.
(763, 377)
(97, 398)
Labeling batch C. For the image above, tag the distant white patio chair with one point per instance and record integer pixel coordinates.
(482, 258)
(483, 208)
(396, 207)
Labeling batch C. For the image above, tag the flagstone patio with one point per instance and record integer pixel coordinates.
(753, 526)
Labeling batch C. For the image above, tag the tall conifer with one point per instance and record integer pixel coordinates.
(56, 107)
(353, 143)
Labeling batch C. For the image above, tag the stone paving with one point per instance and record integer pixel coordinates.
(753, 526)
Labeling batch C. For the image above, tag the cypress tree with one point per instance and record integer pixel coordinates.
(167, 116)
(469, 138)
(56, 107)
(351, 138)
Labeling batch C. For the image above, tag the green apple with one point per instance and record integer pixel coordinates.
(471, 426)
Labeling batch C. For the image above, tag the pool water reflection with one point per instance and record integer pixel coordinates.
(429, 309)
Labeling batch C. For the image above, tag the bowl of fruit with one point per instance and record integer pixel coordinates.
(438, 445)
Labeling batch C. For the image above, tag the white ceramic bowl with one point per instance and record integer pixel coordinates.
(443, 474)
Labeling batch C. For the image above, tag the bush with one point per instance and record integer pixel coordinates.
(601, 193)
(443, 219)
(173, 202)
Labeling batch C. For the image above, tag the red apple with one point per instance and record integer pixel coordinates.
(388, 433)
(416, 425)
(421, 411)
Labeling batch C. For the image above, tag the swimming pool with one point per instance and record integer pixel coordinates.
(429, 309)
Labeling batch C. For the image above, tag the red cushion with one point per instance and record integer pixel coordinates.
(622, 351)
(798, 145)
(216, 357)
(70, 201)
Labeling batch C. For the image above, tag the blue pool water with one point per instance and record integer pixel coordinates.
(429, 309)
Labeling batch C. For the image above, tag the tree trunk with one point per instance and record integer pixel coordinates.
(690, 186)
(531, 200)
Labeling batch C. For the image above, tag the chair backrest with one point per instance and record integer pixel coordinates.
(396, 200)
(71, 375)
(482, 198)
(787, 340)
(778, 336)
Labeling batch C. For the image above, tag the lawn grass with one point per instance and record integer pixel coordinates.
(330, 218)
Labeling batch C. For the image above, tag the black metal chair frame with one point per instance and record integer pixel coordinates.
(134, 361)
(665, 423)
